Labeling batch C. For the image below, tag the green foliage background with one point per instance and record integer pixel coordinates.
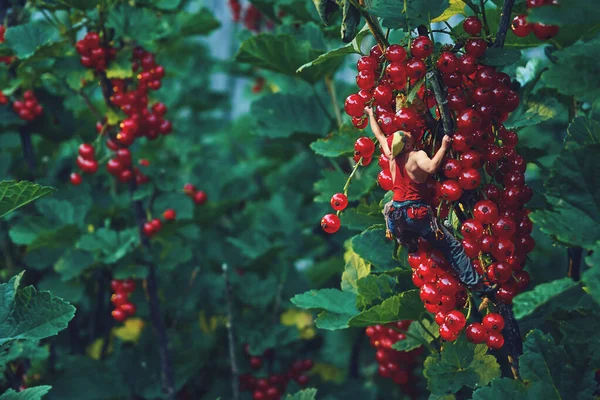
(269, 174)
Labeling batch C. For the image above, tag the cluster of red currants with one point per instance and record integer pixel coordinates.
(199, 196)
(92, 54)
(275, 385)
(122, 289)
(496, 232)
(394, 364)
(236, 9)
(522, 28)
(28, 108)
(487, 331)
(154, 226)
(252, 18)
(5, 59)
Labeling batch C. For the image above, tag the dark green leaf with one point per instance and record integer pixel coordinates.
(28, 38)
(109, 246)
(373, 289)
(406, 305)
(373, 246)
(497, 57)
(337, 143)
(526, 303)
(355, 268)
(338, 306)
(33, 393)
(583, 131)
(139, 24)
(306, 394)
(418, 335)
(418, 12)
(73, 263)
(201, 22)
(505, 389)
(282, 115)
(285, 54)
(15, 194)
(333, 181)
(460, 364)
(350, 21)
(533, 111)
(326, 8)
(591, 277)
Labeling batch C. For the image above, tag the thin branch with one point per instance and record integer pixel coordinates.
(230, 338)
(486, 26)
(575, 255)
(334, 101)
(28, 151)
(374, 26)
(442, 101)
(504, 23)
(166, 363)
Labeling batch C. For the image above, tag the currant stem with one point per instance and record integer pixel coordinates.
(345, 190)
(230, 335)
(441, 100)
(486, 26)
(504, 23)
(334, 101)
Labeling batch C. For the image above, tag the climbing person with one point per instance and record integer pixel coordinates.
(408, 216)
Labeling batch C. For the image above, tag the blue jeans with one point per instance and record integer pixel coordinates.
(447, 245)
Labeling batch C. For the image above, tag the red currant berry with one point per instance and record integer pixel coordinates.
(452, 168)
(472, 25)
(468, 120)
(494, 340)
(383, 94)
(429, 293)
(354, 105)
(396, 72)
(455, 320)
(447, 333)
(543, 31)
(416, 69)
(485, 211)
(330, 223)
(450, 190)
(421, 47)
(499, 272)
(364, 147)
(119, 315)
(255, 362)
(75, 179)
(504, 227)
(395, 52)
(472, 229)
(475, 47)
(365, 79)
(200, 197)
(169, 214)
(384, 179)
(467, 64)
(469, 179)
(476, 333)
(119, 298)
(339, 201)
(493, 322)
(520, 27)
(86, 151)
(128, 309)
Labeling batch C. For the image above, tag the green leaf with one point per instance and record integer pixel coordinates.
(583, 131)
(121, 67)
(355, 220)
(109, 246)
(456, 7)
(526, 303)
(585, 84)
(355, 268)
(570, 12)
(15, 194)
(306, 394)
(337, 143)
(21, 350)
(544, 361)
(373, 289)
(332, 181)
(417, 335)
(34, 315)
(201, 22)
(326, 8)
(459, 364)
(281, 115)
(574, 197)
(33, 393)
(419, 12)
(533, 111)
(406, 305)
(253, 290)
(351, 48)
(338, 306)
(262, 337)
(284, 54)
(31, 37)
(498, 57)
(136, 24)
(505, 389)
(591, 277)
(373, 246)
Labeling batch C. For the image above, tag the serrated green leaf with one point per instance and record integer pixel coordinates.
(337, 143)
(456, 7)
(73, 263)
(338, 306)
(570, 12)
(460, 364)
(253, 290)
(201, 22)
(406, 305)
(526, 303)
(418, 335)
(418, 12)
(306, 394)
(35, 315)
(33, 393)
(22, 349)
(355, 220)
(139, 24)
(373, 289)
(544, 361)
(285, 54)
(373, 246)
(574, 197)
(505, 389)
(281, 115)
(351, 48)
(579, 57)
(15, 194)
(109, 246)
(533, 111)
(355, 268)
(332, 181)
(261, 338)
(498, 57)
(27, 39)
(583, 131)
